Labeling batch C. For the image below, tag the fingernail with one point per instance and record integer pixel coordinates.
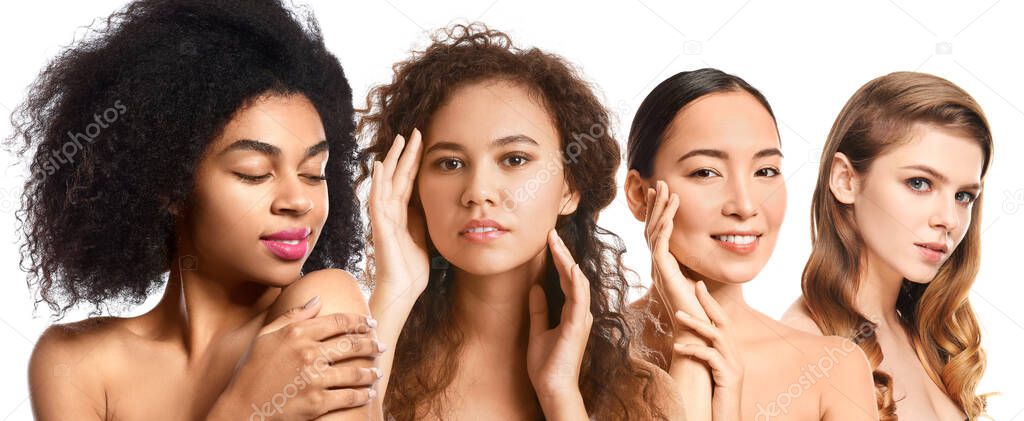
(372, 394)
(371, 322)
(312, 302)
(682, 314)
(381, 347)
(378, 372)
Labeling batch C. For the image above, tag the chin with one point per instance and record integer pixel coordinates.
(921, 275)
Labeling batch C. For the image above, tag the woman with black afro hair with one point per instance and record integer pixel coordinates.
(190, 139)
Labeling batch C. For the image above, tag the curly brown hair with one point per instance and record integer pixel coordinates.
(425, 357)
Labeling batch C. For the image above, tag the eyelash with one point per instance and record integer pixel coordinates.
(909, 182)
(776, 171)
(256, 179)
(442, 161)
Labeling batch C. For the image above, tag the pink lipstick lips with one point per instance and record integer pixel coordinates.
(289, 244)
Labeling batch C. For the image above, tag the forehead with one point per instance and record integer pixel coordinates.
(280, 120)
(477, 113)
(949, 151)
(729, 121)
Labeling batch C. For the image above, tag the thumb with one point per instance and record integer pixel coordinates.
(296, 314)
(538, 311)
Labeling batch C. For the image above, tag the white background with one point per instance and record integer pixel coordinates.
(806, 57)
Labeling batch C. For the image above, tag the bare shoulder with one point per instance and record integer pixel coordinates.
(69, 364)
(660, 391)
(338, 290)
(799, 317)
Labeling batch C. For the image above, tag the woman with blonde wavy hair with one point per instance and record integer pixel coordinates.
(896, 237)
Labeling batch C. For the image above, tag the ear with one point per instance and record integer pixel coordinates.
(636, 194)
(172, 208)
(570, 200)
(843, 179)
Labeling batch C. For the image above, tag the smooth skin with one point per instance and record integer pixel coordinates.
(483, 145)
(920, 191)
(236, 324)
(718, 172)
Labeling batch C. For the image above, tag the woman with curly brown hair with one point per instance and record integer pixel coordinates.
(896, 227)
(197, 145)
(477, 225)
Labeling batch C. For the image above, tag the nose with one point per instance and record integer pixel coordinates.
(291, 197)
(479, 189)
(945, 215)
(740, 203)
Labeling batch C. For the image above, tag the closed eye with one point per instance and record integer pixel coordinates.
(254, 179)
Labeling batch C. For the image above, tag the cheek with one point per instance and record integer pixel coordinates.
(773, 205)
(697, 206)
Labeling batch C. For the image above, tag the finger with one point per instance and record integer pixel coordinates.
(350, 346)
(580, 303)
(374, 180)
(408, 164)
(330, 325)
(648, 209)
(562, 259)
(335, 399)
(538, 311)
(709, 355)
(714, 311)
(702, 328)
(349, 376)
(297, 314)
(391, 159)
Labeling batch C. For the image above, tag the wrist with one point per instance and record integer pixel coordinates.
(562, 404)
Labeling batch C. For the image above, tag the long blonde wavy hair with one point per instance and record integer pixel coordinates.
(937, 315)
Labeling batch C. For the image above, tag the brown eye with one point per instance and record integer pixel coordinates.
(704, 173)
(449, 164)
(768, 172)
(516, 160)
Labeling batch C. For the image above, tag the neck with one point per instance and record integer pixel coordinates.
(879, 288)
(493, 310)
(200, 308)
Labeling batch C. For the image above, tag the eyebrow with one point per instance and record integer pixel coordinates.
(271, 150)
(499, 142)
(715, 153)
(939, 176)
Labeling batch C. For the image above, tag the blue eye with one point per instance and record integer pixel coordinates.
(919, 184)
(965, 198)
(768, 172)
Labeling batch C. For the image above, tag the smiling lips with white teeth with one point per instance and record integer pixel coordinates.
(738, 242)
(482, 230)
